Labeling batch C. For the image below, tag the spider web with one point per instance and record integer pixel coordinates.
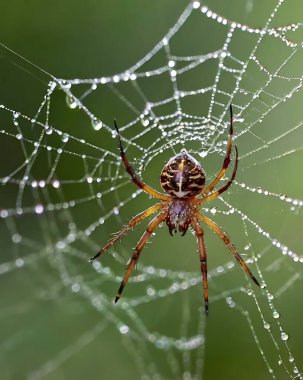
(65, 191)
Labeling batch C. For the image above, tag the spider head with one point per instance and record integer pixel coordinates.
(182, 176)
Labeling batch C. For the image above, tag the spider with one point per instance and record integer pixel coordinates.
(183, 178)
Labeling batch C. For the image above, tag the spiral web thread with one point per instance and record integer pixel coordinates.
(63, 240)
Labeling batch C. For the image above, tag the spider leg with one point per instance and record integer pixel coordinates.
(223, 188)
(140, 245)
(132, 223)
(226, 162)
(202, 250)
(131, 172)
(212, 225)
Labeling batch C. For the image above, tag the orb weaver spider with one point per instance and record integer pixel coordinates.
(183, 178)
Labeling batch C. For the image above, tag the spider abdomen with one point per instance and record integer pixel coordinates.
(182, 176)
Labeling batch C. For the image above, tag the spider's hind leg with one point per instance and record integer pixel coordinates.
(212, 225)
(203, 259)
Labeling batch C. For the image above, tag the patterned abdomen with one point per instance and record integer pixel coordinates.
(182, 176)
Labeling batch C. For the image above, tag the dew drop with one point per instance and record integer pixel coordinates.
(145, 122)
(41, 183)
(39, 209)
(56, 184)
(230, 302)
(116, 78)
(97, 124)
(16, 238)
(284, 336)
(49, 130)
(276, 315)
(75, 287)
(71, 103)
(4, 214)
(65, 84)
(124, 329)
(19, 262)
(150, 291)
(266, 325)
(65, 137)
(213, 210)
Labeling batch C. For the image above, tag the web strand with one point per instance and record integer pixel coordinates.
(73, 191)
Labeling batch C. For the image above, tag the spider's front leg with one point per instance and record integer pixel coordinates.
(226, 186)
(132, 173)
(226, 161)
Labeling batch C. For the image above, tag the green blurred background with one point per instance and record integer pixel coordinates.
(52, 332)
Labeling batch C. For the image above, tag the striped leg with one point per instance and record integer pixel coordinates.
(229, 244)
(150, 229)
(203, 259)
(226, 162)
(137, 219)
(131, 172)
(225, 187)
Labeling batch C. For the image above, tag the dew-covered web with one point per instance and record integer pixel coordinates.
(66, 191)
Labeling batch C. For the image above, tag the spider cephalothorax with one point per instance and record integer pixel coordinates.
(183, 179)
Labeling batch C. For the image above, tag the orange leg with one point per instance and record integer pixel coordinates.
(202, 250)
(229, 244)
(132, 173)
(150, 229)
(137, 219)
(225, 187)
(226, 162)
